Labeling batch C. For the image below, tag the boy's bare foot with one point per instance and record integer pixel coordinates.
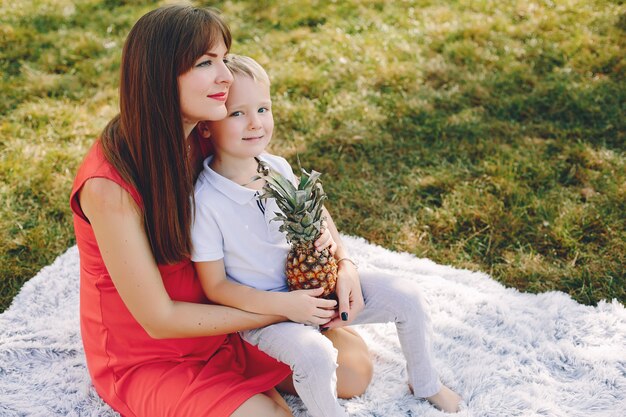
(446, 400)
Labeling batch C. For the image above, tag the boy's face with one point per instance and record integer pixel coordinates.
(248, 126)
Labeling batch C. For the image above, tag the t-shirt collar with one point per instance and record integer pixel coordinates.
(229, 188)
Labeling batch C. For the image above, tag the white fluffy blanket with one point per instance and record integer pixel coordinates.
(507, 353)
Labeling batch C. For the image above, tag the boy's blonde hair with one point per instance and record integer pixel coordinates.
(246, 66)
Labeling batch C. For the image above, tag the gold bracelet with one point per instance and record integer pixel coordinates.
(349, 260)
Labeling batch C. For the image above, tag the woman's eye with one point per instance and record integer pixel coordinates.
(204, 63)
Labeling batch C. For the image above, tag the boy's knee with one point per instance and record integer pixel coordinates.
(409, 302)
(322, 363)
(319, 356)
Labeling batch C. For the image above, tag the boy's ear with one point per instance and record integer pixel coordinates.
(203, 129)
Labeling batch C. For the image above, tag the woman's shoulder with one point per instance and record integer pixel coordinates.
(106, 195)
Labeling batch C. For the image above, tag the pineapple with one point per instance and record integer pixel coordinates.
(302, 220)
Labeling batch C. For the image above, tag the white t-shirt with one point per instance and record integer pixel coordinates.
(230, 222)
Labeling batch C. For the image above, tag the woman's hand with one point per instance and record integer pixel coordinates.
(304, 306)
(349, 295)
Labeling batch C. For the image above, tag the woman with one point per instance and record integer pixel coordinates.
(154, 346)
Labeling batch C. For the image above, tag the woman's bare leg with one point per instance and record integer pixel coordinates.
(275, 395)
(355, 369)
(263, 405)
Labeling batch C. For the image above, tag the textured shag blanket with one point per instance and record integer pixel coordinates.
(507, 353)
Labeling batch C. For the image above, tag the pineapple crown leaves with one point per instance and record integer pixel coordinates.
(301, 207)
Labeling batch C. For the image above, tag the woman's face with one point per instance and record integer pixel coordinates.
(204, 88)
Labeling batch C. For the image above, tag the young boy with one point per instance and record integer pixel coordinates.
(240, 258)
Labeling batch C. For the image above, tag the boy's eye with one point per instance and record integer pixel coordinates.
(263, 110)
(236, 113)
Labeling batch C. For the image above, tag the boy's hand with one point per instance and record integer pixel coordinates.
(325, 240)
(304, 306)
(349, 295)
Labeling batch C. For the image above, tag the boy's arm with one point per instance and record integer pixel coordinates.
(348, 289)
(299, 306)
(221, 290)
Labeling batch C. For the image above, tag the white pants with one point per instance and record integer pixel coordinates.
(313, 359)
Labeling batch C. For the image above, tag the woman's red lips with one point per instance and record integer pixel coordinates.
(219, 96)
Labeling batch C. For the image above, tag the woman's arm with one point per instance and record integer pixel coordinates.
(348, 288)
(118, 226)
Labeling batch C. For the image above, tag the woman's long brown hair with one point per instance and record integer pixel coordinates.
(146, 142)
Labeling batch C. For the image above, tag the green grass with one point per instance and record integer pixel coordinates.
(481, 134)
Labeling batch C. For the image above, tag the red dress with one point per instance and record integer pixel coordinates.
(140, 376)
